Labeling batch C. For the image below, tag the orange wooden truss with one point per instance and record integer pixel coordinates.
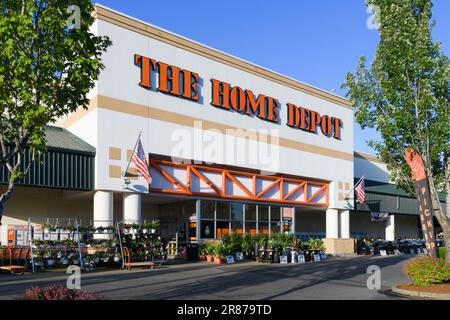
(203, 181)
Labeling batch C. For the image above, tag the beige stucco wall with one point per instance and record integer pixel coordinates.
(54, 203)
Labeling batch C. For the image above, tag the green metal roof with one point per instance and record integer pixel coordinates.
(62, 139)
(389, 189)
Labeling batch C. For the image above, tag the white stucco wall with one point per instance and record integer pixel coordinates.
(105, 128)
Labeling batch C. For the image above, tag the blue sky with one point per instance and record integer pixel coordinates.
(316, 42)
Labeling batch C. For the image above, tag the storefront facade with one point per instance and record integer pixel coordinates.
(232, 147)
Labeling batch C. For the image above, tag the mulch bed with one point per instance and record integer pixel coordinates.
(435, 288)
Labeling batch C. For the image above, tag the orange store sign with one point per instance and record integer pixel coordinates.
(184, 83)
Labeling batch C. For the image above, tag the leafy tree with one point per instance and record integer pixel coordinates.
(405, 95)
(49, 61)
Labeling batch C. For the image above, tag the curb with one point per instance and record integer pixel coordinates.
(421, 294)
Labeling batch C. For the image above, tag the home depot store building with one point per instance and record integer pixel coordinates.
(232, 146)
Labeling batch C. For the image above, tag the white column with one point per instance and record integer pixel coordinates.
(390, 228)
(198, 209)
(293, 220)
(132, 207)
(103, 211)
(332, 224)
(344, 216)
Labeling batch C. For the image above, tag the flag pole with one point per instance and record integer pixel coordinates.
(356, 184)
(131, 157)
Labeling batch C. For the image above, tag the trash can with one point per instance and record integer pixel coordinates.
(192, 252)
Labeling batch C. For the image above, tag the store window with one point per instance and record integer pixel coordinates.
(237, 217)
(263, 213)
(250, 212)
(250, 227)
(250, 218)
(275, 218)
(223, 227)
(237, 211)
(207, 229)
(208, 208)
(223, 219)
(223, 211)
(275, 213)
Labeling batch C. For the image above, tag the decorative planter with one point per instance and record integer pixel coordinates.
(209, 258)
(276, 257)
(218, 260)
(116, 258)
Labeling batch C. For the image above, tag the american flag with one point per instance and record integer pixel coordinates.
(141, 163)
(360, 191)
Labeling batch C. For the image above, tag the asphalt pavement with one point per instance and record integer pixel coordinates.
(332, 279)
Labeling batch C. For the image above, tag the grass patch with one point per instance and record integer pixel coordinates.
(441, 253)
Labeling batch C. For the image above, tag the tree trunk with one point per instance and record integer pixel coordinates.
(5, 197)
(442, 218)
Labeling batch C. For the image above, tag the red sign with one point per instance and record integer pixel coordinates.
(423, 199)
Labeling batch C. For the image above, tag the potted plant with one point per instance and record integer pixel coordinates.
(47, 228)
(153, 227)
(315, 247)
(117, 257)
(220, 253)
(210, 251)
(37, 258)
(106, 258)
(202, 251)
(248, 245)
(49, 258)
(275, 244)
(69, 227)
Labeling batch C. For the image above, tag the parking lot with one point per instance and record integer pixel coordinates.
(334, 278)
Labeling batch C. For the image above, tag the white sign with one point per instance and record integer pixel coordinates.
(283, 259)
(317, 257)
(301, 258)
(397, 252)
(383, 253)
(323, 255)
(230, 259)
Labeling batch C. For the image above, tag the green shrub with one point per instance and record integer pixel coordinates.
(210, 248)
(56, 292)
(248, 243)
(222, 249)
(233, 242)
(426, 271)
(441, 253)
(315, 244)
(262, 240)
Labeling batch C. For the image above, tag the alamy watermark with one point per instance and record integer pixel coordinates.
(373, 21)
(374, 280)
(74, 280)
(242, 147)
(74, 20)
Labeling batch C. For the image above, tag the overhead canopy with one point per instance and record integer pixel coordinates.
(386, 197)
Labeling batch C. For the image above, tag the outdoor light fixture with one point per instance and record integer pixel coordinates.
(126, 182)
